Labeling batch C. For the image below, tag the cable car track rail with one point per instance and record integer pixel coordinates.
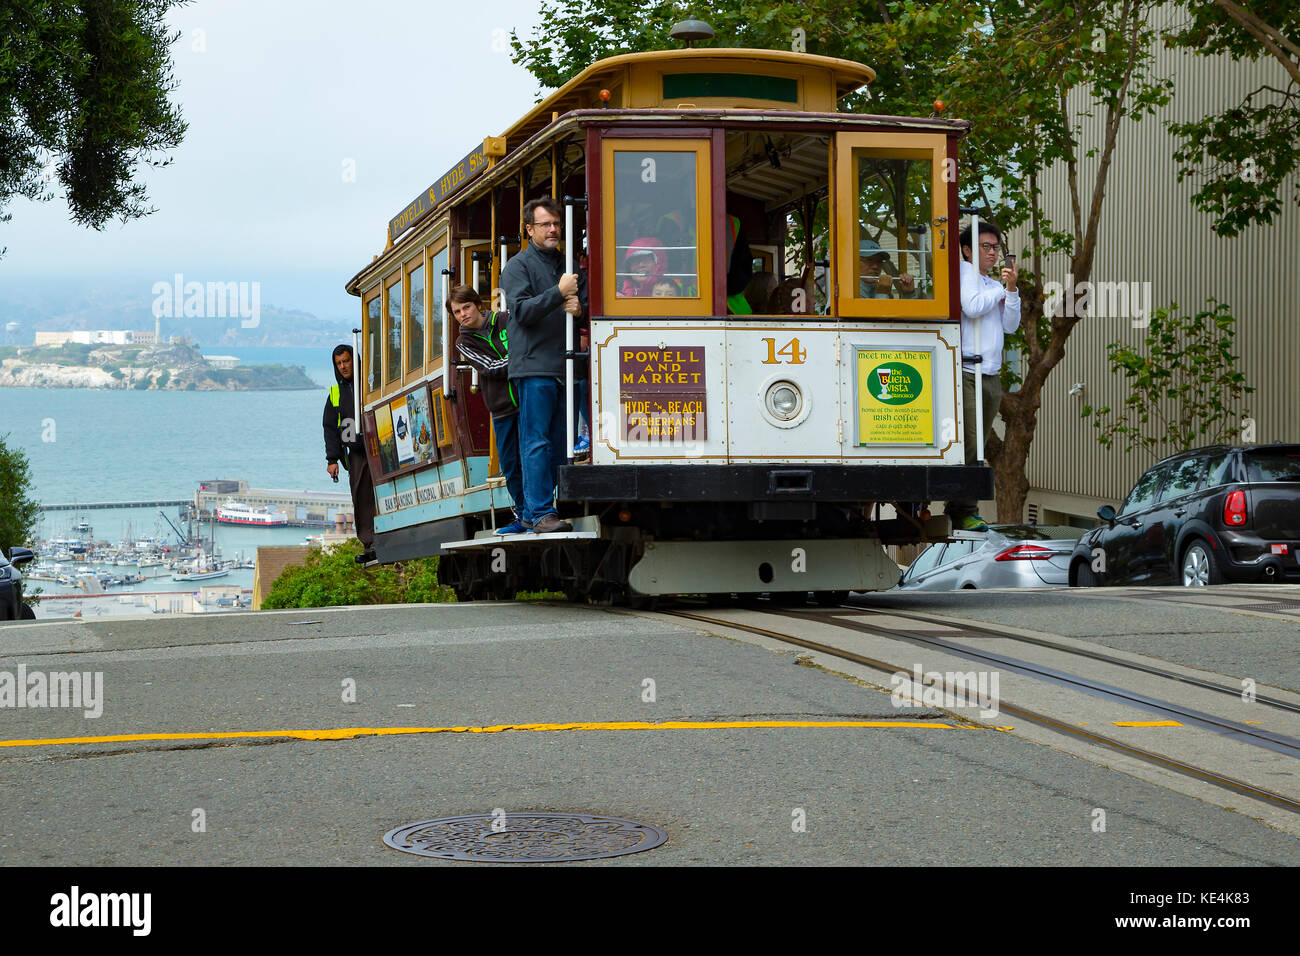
(1169, 763)
(1080, 652)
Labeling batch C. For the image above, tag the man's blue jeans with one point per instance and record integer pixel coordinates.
(507, 434)
(541, 442)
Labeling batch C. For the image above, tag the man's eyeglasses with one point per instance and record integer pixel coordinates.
(988, 246)
(545, 224)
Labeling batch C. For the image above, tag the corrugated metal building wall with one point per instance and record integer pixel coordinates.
(1150, 233)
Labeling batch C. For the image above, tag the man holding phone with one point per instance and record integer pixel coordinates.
(995, 307)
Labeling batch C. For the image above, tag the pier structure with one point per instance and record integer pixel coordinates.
(101, 505)
(305, 509)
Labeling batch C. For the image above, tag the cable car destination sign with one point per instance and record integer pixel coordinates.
(662, 393)
(469, 167)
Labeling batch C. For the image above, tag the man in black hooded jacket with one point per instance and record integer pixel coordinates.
(343, 443)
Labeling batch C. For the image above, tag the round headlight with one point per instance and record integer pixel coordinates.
(784, 400)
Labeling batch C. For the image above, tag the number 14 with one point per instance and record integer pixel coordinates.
(791, 350)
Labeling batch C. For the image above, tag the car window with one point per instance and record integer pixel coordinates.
(1183, 477)
(957, 550)
(1269, 464)
(926, 560)
(1218, 471)
(1144, 492)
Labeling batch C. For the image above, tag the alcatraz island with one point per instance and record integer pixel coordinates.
(177, 366)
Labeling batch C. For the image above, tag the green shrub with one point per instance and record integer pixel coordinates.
(330, 579)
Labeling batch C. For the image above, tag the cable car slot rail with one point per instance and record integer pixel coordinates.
(1278, 743)
(1077, 651)
(1042, 720)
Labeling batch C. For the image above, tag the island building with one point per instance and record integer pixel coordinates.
(222, 361)
(89, 337)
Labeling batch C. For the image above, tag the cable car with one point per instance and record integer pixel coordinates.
(774, 359)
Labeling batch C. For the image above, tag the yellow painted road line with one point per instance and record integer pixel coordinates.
(347, 733)
(1146, 723)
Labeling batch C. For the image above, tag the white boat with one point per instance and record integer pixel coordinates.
(234, 513)
(200, 575)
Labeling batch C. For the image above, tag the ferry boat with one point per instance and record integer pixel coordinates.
(234, 513)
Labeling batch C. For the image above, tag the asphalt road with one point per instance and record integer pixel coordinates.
(790, 795)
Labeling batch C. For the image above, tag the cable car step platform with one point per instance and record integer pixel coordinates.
(584, 528)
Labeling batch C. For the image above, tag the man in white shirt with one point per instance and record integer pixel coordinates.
(995, 306)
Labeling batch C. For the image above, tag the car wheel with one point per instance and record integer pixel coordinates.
(1084, 577)
(26, 613)
(1199, 566)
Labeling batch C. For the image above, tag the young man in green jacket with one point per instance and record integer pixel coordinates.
(483, 343)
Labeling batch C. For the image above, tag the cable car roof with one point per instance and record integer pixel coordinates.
(581, 91)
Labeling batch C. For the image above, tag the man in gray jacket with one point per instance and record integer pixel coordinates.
(540, 298)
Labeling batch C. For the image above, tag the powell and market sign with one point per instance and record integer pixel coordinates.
(453, 179)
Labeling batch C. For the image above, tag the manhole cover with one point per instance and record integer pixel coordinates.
(524, 837)
(1283, 606)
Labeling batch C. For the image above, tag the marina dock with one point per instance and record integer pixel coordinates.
(305, 509)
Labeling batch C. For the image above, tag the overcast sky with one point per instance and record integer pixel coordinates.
(278, 95)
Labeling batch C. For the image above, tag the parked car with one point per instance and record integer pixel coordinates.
(1223, 513)
(1008, 556)
(12, 607)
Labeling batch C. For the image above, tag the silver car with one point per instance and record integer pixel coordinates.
(1007, 556)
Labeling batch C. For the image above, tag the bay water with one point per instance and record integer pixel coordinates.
(99, 445)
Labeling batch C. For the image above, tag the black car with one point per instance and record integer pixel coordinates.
(1201, 517)
(12, 607)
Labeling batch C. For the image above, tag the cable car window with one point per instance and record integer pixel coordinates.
(894, 258)
(437, 315)
(375, 343)
(415, 319)
(893, 234)
(655, 236)
(393, 330)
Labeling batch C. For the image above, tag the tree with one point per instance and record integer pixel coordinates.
(18, 512)
(1025, 70)
(1187, 382)
(1243, 154)
(84, 100)
(1012, 68)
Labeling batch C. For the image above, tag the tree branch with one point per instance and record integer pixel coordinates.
(1268, 35)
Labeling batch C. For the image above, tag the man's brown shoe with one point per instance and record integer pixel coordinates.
(547, 524)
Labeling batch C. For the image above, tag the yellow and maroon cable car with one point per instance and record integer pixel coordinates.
(774, 336)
